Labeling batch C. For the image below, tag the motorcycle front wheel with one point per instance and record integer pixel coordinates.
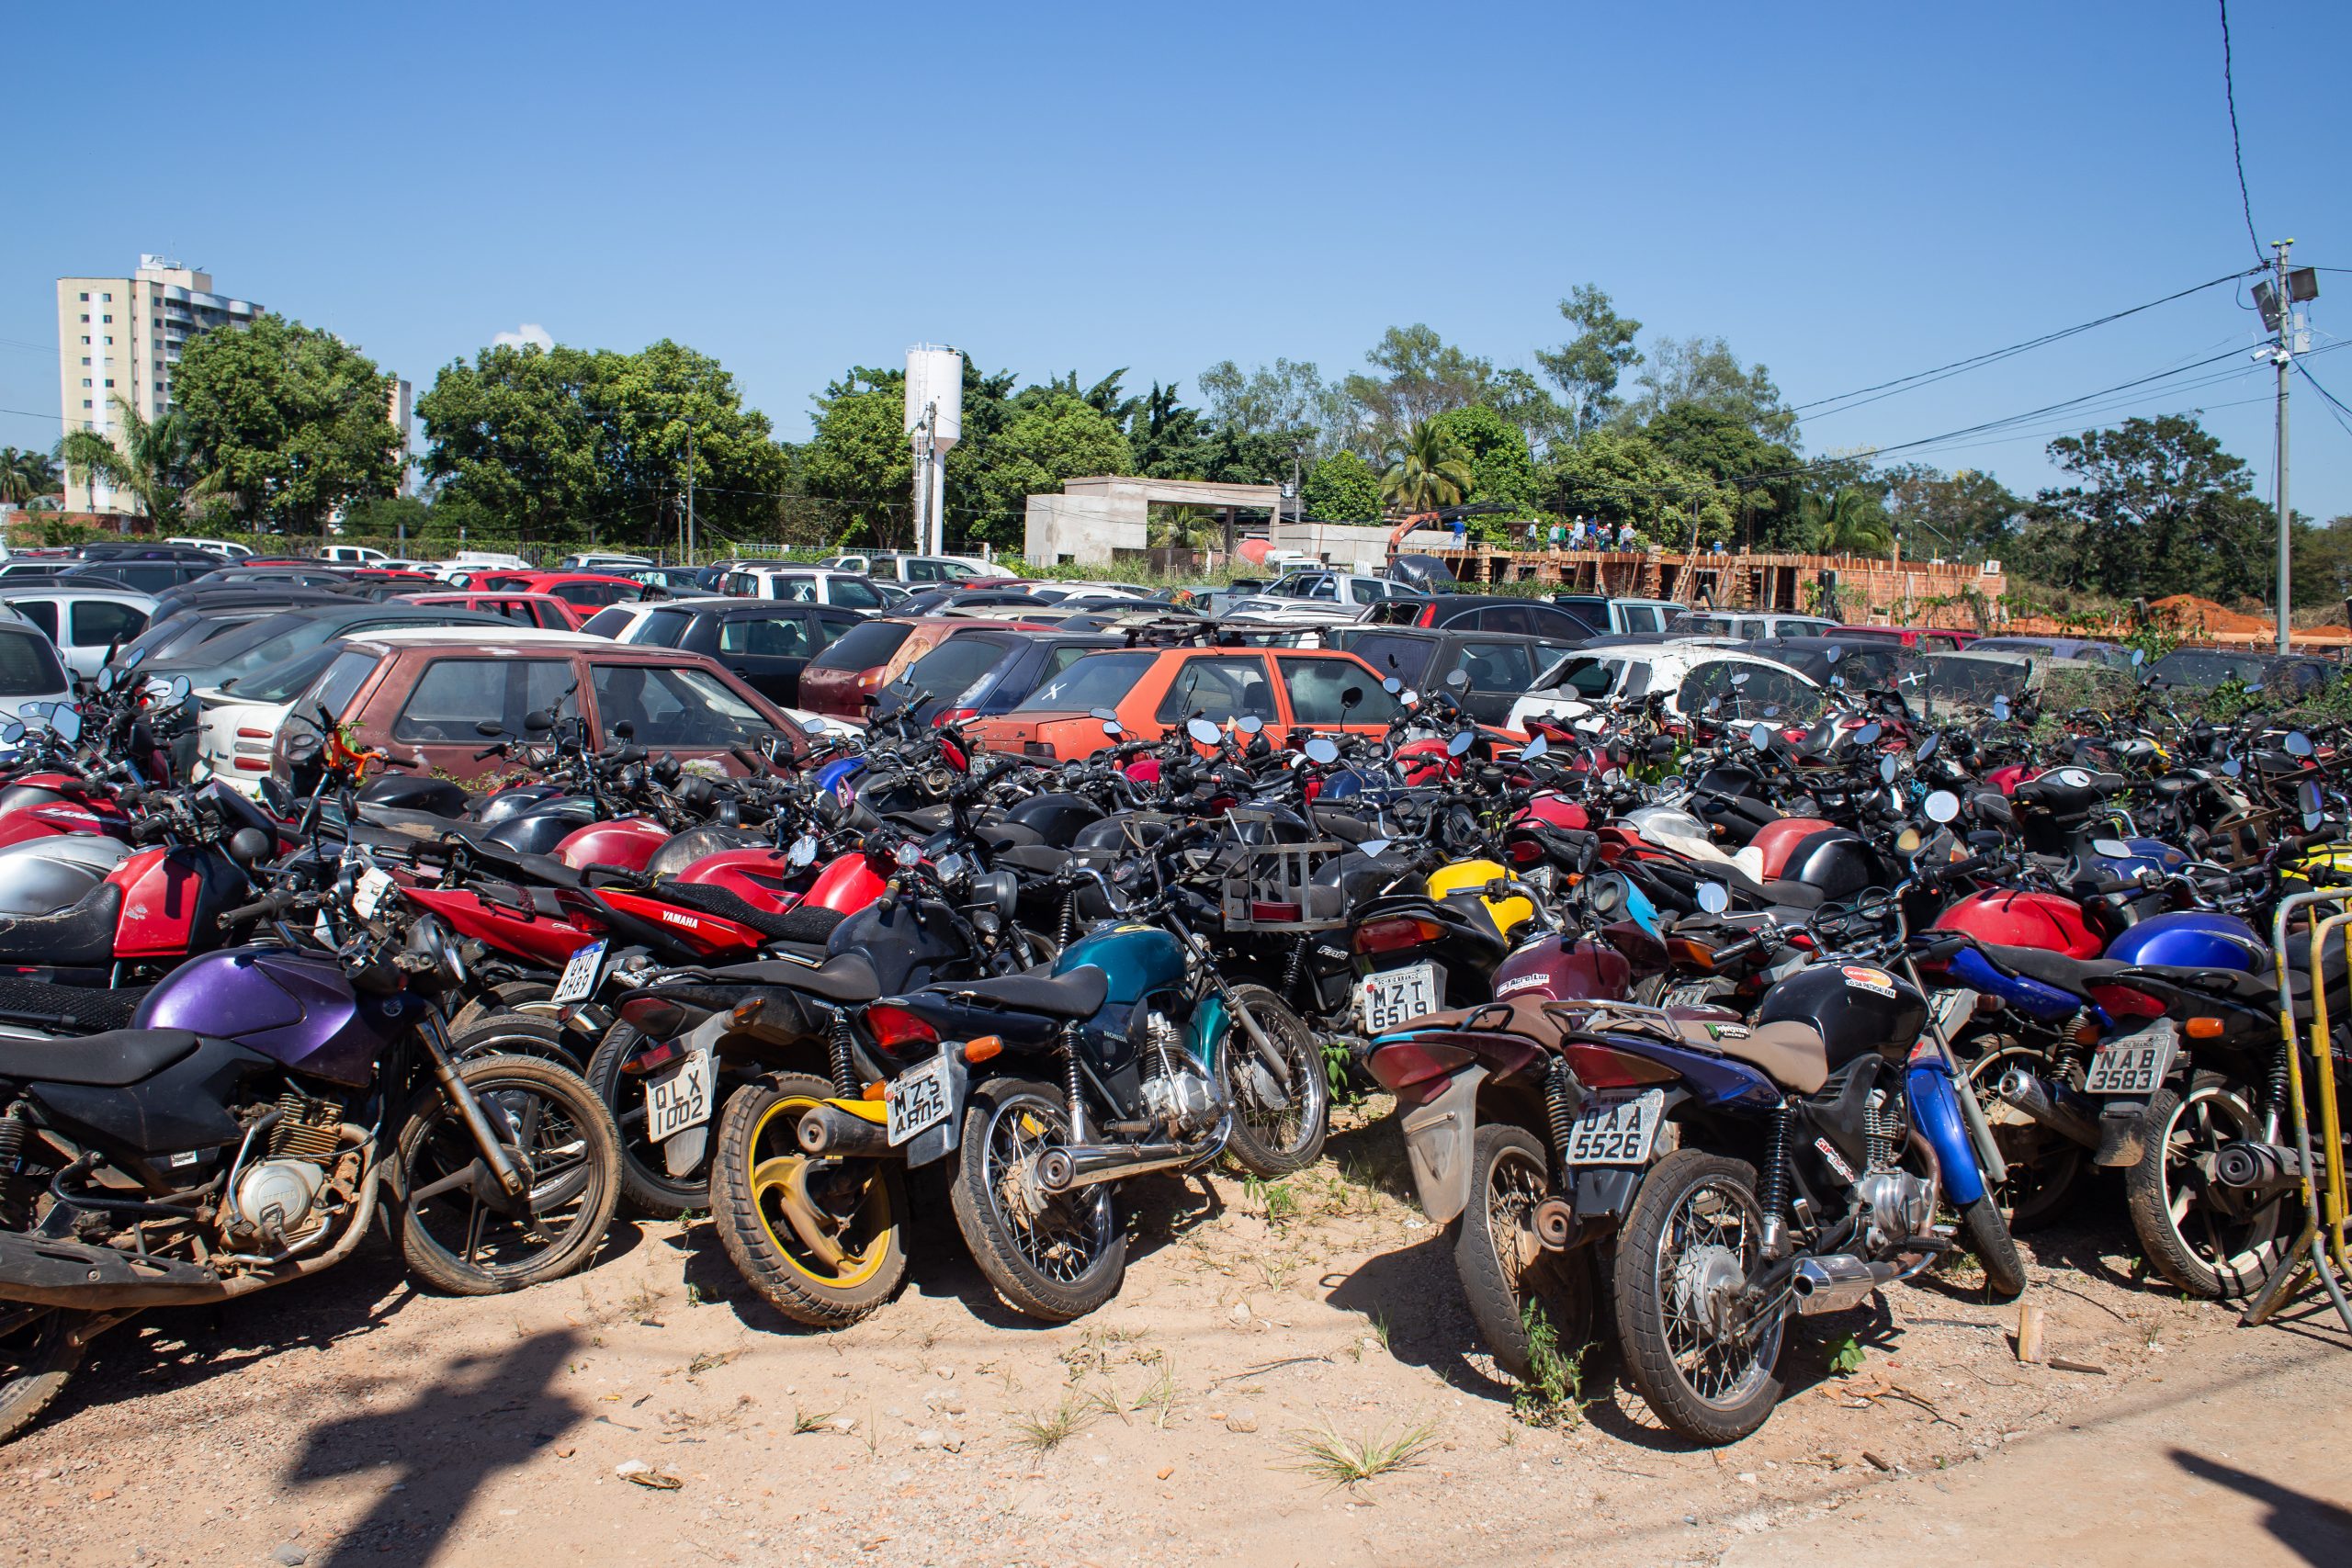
(1274, 1133)
(1053, 1256)
(36, 1361)
(1692, 1347)
(817, 1238)
(1507, 1274)
(464, 1233)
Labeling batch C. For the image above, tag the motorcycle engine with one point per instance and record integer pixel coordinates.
(1176, 1092)
(277, 1198)
(1893, 1205)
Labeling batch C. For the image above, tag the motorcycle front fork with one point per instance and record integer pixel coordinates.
(511, 1177)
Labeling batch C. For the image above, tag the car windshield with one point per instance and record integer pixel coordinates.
(283, 682)
(28, 666)
(865, 647)
(674, 707)
(1097, 681)
(1582, 674)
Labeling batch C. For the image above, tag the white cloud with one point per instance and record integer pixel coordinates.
(531, 332)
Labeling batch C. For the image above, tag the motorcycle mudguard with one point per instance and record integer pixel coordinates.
(935, 1142)
(1935, 1111)
(1438, 1136)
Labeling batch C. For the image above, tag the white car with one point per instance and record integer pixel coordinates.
(85, 623)
(806, 584)
(234, 553)
(1264, 611)
(237, 725)
(350, 554)
(601, 561)
(1351, 589)
(619, 621)
(1583, 684)
(467, 562)
(31, 671)
(892, 567)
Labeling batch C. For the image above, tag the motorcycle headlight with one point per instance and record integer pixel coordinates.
(432, 939)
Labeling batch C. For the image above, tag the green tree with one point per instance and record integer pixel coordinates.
(291, 421)
(1502, 470)
(2323, 563)
(1616, 476)
(1341, 487)
(1427, 469)
(1054, 438)
(649, 402)
(1587, 368)
(1705, 371)
(26, 473)
(1965, 515)
(383, 518)
(513, 439)
(1766, 477)
(153, 461)
(1283, 399)
(860, 460)
(1846, 522)
(2159, 508)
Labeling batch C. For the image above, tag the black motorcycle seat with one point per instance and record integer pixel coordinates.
(1001, 836)
(2076, 974)
(80, 935)
(798, 923)
(113, 1060)
(843, 977)
(1343, 826)
(71, 1010)
(1077, 994)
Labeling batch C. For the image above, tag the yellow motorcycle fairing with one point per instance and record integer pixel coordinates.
(1466, 877)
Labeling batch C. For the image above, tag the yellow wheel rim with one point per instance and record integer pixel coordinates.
(775, 1177)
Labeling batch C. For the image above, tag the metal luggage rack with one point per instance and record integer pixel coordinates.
(1265, 887)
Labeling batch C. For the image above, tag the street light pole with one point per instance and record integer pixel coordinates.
(2284, 355)
(690, 490)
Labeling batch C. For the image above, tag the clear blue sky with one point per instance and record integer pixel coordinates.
(1846, 192)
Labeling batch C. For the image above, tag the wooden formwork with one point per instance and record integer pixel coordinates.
(1910, 592)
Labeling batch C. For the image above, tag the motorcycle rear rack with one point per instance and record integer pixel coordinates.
(1266, 885)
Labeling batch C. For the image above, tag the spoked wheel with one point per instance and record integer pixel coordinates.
(1698, 1348)
(2044, 1166)
(646, 1182)
(2208, 1240)
(1052, 1256)
(1506, 1270)
(516, 1034)
(463, 1231)
(38, 1354)
(511, 996)
(820, 1238)
(1275, 1131)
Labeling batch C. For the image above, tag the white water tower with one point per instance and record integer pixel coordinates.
(934, 424)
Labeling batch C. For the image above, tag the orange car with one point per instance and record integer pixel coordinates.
(1154, 691)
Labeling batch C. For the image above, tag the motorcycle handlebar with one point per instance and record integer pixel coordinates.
(270, 905)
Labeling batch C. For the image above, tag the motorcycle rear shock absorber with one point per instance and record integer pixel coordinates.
(1295, 968)
(1772, 1182)
(1073, 1085)
(845, 1063)
(1562, 1120)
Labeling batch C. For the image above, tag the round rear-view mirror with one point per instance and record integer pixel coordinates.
(1203, 731)
(2001, 709)
(109, 677)
(1605, 895)
(2307, 797)
(2299, 744)
(1887, 770)
(803, 851)
(1942, 807)
(1408, 696)
(1833, 653)
(1739, 677)
(1391, 685)
(1462, 741)
(1761, 737)
(1321, 750)
(1928, 747)
(66, 722)
(2233, 768)
(1535, 749)
(1714, 899)
(1111, 727)
(2113, 848)
(1907, 841)
(1459, 679)
(910, 856)
(1771, 710)
(2139, 657)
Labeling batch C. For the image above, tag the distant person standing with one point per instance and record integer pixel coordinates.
(1625, 535)
(1461, 532)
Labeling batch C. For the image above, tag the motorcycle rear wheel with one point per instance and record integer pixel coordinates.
(2190, 1237)
(1506, 1271)
(36, 1362)
(1051, 1258)
(516, 1034)
(855, 1206)
(464, 1235)
(646, 1183)
(1274, 1139)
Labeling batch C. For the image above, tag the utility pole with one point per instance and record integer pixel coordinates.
(2276, 297)
(690, 492)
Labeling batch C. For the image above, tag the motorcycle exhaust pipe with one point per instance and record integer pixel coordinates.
(1085, 1165)
(833, 1133)
(2259, 1170)
(1837, 1281)
(2021, 1090)
(1555, 1222)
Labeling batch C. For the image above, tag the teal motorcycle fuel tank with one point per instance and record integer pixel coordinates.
(1137, 959)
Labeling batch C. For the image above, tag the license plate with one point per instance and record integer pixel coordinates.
(678, 1098)
(1397, 996)
(2136, 1064)
(1615, 1132)
(368, 896)
(578, 982)
(917, 1101)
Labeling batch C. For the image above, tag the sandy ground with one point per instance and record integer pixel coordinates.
(357, 1420)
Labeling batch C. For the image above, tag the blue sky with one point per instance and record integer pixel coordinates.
(1846, 192)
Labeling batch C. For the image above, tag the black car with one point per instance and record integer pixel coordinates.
(766, 642)
(146, 576)
(1859, 661)
(128, 549)
(2202, 668)
(984, 671)
(1501, 665)
(1486, 613)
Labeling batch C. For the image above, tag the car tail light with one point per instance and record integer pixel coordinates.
(1427, 617)
(1395, 935)
(1409, 1062)
(251, 765)
(1600, 1066)
(2121, 1001)
(895, 1026)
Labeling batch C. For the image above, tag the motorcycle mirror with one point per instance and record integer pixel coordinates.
(1322, 751)
(274, 795)
(2297, 744)
(1462, 741)
(2233, 768)
(910, 856)
(490, 729)
(302, 748)
(626, 729)
(1715, 706)
(1907, 841)
(1459, 679)
(1535, 749)
(538, 721)
(1713, 897)
(1250, 724)
(1887, 770)
(1739, 677)
(2001, 709)
(2139, 657)
(803, 851)
(2307, 799)
(1771, 710)
(1836, 682)
(1761, 737)
(1203, 731)
(1942, 805)
(2113, 848)
(1605, 895)
(11, 732)
(1928, 747)
(1391, 685)
(1868, 734)
(168, 694)
(1408, 696)
(1372, 847)
(108, 679)
(135, 659)
(66, 722)
(249, 846)
(1834, 652)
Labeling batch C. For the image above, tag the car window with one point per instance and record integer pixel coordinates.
(335, 686)
(764, 636)
(42, 613)
(453, 697)
(829, 629)
(609, 622)
(1218, 687)
(663, 628)
(799, 589)
(673, 707)
(868, 647)
(1061, 659)
(1495, 666)
(1335, 691)
(285, 682)
(1503, 618)
(949, 672)
(1100, 680)
(600, 592)
(94, 623)
(1403, 657)
(1641, 618)
(29, 666)
(853, 593)
(921, 572)
(1585, 676)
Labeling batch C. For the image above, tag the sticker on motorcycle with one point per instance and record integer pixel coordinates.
(368, 896)
(2137, 1063)
(1615, 1132)
(1395, 997)
(1864, 979)
(578, 982)
(678, 1098)
(917, 1101)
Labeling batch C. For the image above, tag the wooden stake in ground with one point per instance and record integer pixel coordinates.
(2028, 1332)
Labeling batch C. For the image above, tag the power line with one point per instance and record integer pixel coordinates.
(2237, 153)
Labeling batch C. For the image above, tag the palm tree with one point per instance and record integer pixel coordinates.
(154, 463)
(1427, 471)
(1847, 523)
(25, 474)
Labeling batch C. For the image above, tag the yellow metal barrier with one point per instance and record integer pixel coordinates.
(2323, 1207)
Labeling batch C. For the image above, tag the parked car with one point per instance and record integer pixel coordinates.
(320, 578)
(178, 625)
(351, 555)
(1348, 588)
(841, 682)
(224, 549)
(1688, 675)
(86, 622)
(1926, 640)
(766, 642)
(606, 561)
(1603, 614)
(1500, 666)
(1481, 612)
(902, 568)
(673, 579)
(615, 621)
(544, 611)
(31, 671)
(148, 550)
(2114, 655)
(144, 576)
(463, 567)
(1857, 663)
(807, 585)
(1750, 624)
(421, 696)
(2289, 675)
(982, 671)
(1154, 691)
(590, 590)
(235, 730)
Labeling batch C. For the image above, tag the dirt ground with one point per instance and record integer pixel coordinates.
(356, 1420)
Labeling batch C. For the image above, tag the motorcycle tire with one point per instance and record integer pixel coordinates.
(516, 1034)
(751, 1185)
(1506, 1273)
(2045, 1168)
(1989, 1238)
(1285, 1137)
(1646, 1290)
(510, 996)
(1052, 1274)
(646, 1185)
(2188, 1250)
(556, 1125)
(36, 1362)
